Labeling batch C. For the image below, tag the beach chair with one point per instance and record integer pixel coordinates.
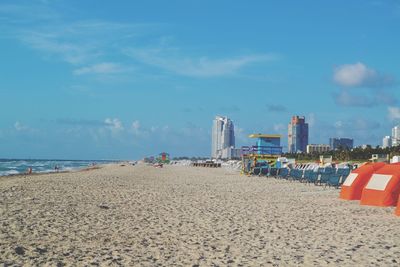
(300, 175)
(313, 177)
(343, 171)
(283, 173)
(297, 174)
(346, 172)
(292, 174)
(306, 176)
(256, 170)
(333, 180)
(273, 172)
(264, 170)
(329, 170)
(324, 178)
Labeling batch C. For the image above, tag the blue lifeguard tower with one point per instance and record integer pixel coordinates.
(265, 153)
(267, 144)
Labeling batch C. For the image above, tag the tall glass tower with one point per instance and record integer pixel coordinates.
(222, 136)
(297, 135)
(396, 135)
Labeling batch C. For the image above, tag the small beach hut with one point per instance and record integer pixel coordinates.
(357, 179)
(383, 188)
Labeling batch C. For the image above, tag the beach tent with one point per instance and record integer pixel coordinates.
(383, 188)
(357, 179)
(397, 212)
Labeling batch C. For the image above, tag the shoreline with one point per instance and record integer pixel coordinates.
(15, 167)
(36, 174)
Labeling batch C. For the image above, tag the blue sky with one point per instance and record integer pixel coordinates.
(126, 79)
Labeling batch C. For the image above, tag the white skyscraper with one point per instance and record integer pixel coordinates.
(387, 142)
(396, 135)
(222, 137)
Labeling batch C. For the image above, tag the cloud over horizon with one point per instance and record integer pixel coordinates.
(359, 75)
(366, 99)
(169, 60)
(394, 113)
(362, 86)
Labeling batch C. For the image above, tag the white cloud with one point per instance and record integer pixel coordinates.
(85, 43)
(71, 51)
(394, 113)
(115, 125)
(359, 75)
(77, 43)
(169, 60)
(101, 68)
(20, 127)
(353, 74)
(136, 129)
(136, 125)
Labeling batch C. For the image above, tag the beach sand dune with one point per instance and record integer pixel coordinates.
(145, 216)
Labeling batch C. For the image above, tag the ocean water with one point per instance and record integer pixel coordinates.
(18, 166)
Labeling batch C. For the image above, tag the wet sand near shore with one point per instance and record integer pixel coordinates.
(187, 216)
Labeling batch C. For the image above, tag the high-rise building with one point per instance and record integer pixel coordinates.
(341, 143)
(297, 135)
(387, 142)
(222, 137)
(396, 135)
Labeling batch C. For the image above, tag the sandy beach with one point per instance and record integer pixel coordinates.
(186, 216)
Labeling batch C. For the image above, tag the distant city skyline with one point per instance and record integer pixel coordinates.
(222, 137)
(128, 79)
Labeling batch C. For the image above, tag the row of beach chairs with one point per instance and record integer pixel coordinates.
(321, 176)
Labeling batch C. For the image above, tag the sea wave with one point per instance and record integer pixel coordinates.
(12, 166)
(10, 172)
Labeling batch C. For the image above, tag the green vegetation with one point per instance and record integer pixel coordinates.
(356, 154)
